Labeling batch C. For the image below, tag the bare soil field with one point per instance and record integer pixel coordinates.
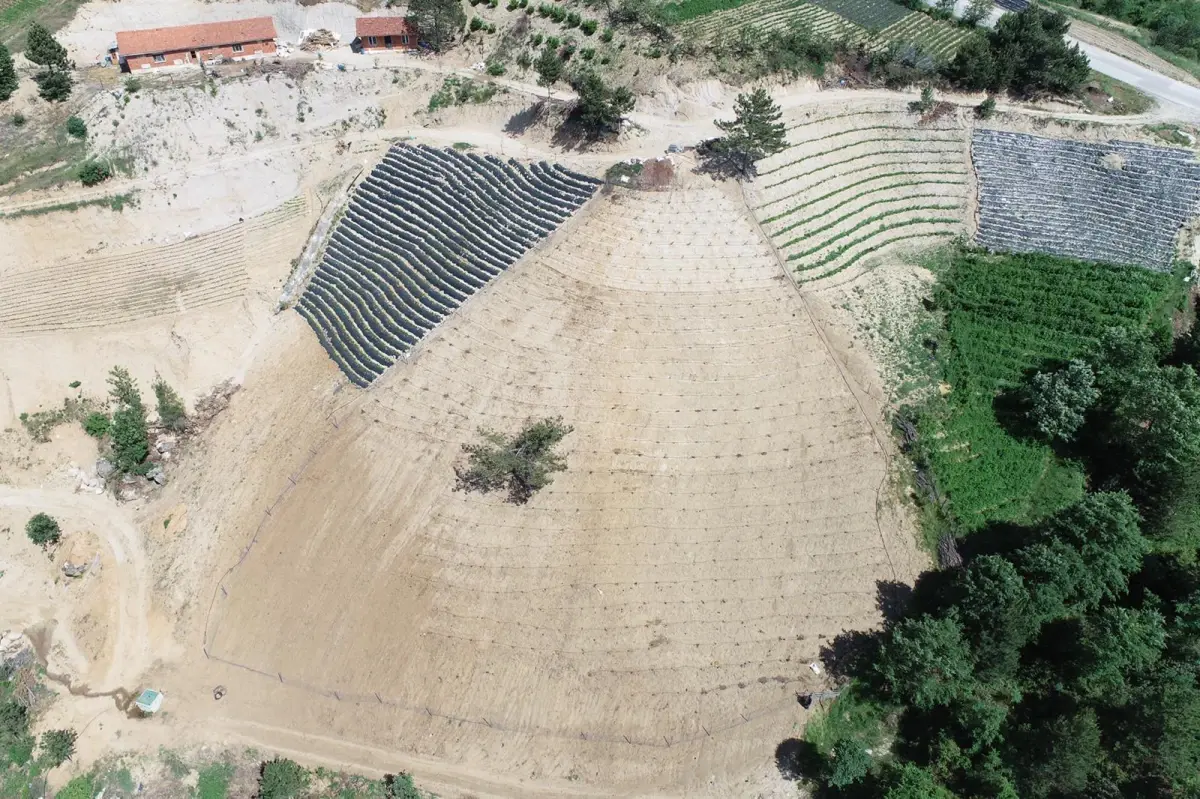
(718, 522)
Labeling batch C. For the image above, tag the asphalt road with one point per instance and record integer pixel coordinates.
(1184, 98)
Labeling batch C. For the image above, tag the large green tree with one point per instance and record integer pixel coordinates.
(600, 108)
(129, 432)
(43, 49)
(8, 74)
(438, 21)
(756, 131)
(1025, 55)
(927, 662)
(1058, 400)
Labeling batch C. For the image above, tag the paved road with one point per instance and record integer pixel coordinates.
(1184, 99)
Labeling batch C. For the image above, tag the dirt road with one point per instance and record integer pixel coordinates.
(131, 651)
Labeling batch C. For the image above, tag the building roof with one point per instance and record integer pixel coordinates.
(193, 37)
(383, 26)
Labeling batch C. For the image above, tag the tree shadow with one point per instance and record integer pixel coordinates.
(851, 654)
(797, 760)
(995, 538)
(526, 118)
(892, 598)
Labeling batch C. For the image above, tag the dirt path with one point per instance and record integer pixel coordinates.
(131, 648)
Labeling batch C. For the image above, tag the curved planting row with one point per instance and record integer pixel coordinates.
(1119, 202)
(938, 38)
(766, 15)
(426, 230)
(853, 184)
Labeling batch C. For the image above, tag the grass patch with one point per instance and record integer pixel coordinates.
(850, 716)
(691, 9)
(16, 16)
(213, 782)
(460, 91)
(31, 162)
(1171, 134)
(1004, 316)
(116, 202)
(1125, 98)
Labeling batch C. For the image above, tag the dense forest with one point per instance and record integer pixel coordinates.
(1058, 655)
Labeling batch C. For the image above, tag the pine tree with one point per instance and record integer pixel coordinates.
(549, 67)
(755, 132)
(171, 412)
(44, 50)
(437, 21)
(129, 434)
(8, 75)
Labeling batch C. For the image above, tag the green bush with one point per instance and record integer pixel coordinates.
(400, 786)
(129, 433)
(79, 788)
(573, 19)
(132, 85)
(536, 39)
(96, 424)
(54, 85)
(171, 411)
(43, 530)
(94, 172)
(58, 746)
(588, 26)
(495, 67)
(77, 127)
(282, 779)
(607, 35)
(587, 53)
(477, 24)
(986, 109)
(18, 119)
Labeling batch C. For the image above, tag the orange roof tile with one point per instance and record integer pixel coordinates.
(193, 37)
(383, 26)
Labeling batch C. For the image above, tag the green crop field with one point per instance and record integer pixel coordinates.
(1006, 315)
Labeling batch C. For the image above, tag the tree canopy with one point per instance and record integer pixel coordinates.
(43, 49)
(129, 432)
(755, 132)
(439, 21)
(521, 464)
(1024, 55)
(600, 107)
(8, 74)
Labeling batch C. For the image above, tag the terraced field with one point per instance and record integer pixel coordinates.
(426, 230)
(202, 271)
(876, 23)
(657, 605)
(857, 184)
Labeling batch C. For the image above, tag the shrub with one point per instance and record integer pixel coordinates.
(79, 788)
(171, 412)
(77, 127)
(282, 779)
(132, 85)
(536, 39)
(521, 464)
(587, 53)
(400, 786)
(925, 104)
(58, 746)
(607, 35)
(18, 119)
(573, 19)
(553, 41)
(986, 109)
(512, 5)
(524, 60)
(96, 424)
(477, 24)
(94, 172)
(588, 26)
(43, 530)
(495, 67)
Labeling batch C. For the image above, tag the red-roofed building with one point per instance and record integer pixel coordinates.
(235, 39)
(385, 33)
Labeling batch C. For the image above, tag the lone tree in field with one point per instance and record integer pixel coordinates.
(171, 412)
(128, 431)
(755, 132)
(438, 21)
(549, 67)
(8, 74)
(43, 530)
(600, 108)
(521, 464)
(1058, 400)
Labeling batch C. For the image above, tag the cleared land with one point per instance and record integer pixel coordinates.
(659, 602)
(857, 183)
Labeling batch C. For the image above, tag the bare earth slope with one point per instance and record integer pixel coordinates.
(718, 519)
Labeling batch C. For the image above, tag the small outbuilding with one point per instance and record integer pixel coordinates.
(236, 39)
(384, 33)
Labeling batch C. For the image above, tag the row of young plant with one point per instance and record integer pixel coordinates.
(1057, 653)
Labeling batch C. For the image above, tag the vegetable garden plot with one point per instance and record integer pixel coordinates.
(1119, 202)
(874, 15)
(426, 230)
